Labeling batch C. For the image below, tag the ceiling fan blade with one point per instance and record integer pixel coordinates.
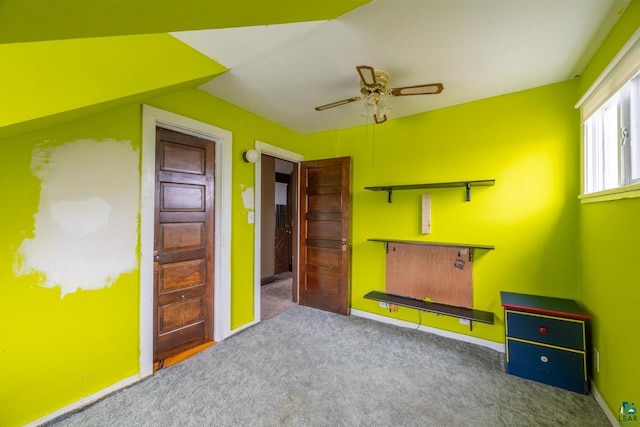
(380, 119)
(428, 89)
(338, 103)
(367, 75)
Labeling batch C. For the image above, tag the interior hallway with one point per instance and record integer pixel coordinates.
(276, 296)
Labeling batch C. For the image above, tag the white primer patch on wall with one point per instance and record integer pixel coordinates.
(81, 218)
(247, 197)
(86, 227)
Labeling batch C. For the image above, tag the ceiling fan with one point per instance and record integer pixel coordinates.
(373, 85)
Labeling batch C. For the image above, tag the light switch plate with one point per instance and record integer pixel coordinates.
(426, 213)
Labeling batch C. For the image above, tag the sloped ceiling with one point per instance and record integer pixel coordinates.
(72, 74)
(477, 49)
(66, 59)
(288, 56)
(38, 20)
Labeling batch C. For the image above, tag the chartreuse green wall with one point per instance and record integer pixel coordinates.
(55, 350)
(527, 141)
(58, 343)
(246, 128)
(609, 236)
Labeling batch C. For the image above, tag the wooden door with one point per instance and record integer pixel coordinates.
(324, 234)
(282, 250)
(295, 237)
(183, 247)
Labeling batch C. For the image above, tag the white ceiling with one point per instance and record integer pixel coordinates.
(476, 48)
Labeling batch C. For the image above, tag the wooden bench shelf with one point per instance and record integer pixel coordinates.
(466, 184)
(434, 307)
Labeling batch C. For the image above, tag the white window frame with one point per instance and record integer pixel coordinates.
(615, 93)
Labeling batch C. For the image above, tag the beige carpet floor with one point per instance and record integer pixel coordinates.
(276, 297)
(310, 368)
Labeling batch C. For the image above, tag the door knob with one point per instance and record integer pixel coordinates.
(156, 257)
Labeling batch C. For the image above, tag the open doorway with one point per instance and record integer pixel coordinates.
(320, 219)
(271, 153)
(278, 217)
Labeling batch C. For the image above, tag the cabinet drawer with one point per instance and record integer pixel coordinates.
(547, 330)
(547, 360)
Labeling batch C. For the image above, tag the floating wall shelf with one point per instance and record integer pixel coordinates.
(422, 242)
(465, 184)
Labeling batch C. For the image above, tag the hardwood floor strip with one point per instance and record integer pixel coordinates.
(172, 360)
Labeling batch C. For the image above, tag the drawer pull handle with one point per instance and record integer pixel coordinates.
(543, 330)
(544, 359)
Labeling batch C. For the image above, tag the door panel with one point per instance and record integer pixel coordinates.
(329, 203)
(295, 237)
(282, 250)
(318, 229)
(324, 234)
(182, 236)
(323, 282)
(180, 315)
(283, 232)
(182, 198)
(322, 257)
(183, 250)
(183, 158)
(183, 274)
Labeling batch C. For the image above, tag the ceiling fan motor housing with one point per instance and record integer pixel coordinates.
(381, 84)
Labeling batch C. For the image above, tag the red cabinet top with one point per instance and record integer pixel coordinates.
(543, 305)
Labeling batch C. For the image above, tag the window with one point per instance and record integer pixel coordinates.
(612, 141)
(610, 112)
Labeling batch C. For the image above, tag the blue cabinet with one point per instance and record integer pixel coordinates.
(549, 330)
(546, 340)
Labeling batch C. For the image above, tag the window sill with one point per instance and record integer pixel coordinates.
(627, 192)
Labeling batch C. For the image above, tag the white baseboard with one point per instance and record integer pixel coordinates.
(102, 393)
(596, 395)
(460, 337)
(86, 400)
(242, 328)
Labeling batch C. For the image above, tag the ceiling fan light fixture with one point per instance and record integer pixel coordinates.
(369, 107)
(373, 106)
(383, 108)
(373, 85)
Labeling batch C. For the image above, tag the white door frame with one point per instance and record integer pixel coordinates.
(280, 153)
(152, 117)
